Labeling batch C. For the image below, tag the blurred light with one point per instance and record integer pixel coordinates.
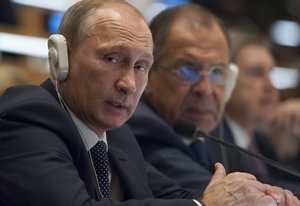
(153, 9)
(172, 3)
(23, 45)
(285, 78)
(286, 33)
(56, 5)
(156, 7)
(53, 22)
(140, 5)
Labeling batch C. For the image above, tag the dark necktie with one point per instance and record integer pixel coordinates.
(200, 150)
(100, 160)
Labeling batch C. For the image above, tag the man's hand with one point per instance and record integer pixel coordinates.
(237, 189)
(287, 116)
(285, 129)
(282, 197)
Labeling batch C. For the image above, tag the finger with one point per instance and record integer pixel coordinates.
(220, 173)
(268, 201)
(277, 194)
(290, 199)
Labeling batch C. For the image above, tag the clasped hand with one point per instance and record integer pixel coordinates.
(241, 189)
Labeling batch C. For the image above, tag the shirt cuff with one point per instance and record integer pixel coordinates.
(199, 203)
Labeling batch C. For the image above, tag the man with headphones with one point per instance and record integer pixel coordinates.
(99, 66)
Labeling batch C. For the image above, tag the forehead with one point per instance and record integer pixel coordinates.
(207, 40)
(255, 56)
(123, 23)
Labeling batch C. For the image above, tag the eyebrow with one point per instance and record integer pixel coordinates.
(219, 64)
(148, 56)
(125, 50)
(201, 64)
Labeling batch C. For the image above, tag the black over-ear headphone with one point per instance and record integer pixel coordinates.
(58, 57)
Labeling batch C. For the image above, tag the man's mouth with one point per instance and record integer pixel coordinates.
(119, 105)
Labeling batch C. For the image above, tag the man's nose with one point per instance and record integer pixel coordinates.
(127, 83)
(268, 84)
(204, 86)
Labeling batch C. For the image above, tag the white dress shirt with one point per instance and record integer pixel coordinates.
(90, 139)
(240, 136)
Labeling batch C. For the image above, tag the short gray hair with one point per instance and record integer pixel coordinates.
(161, 24)
(79, 19)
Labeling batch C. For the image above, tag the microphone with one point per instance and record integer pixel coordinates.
(189, 130)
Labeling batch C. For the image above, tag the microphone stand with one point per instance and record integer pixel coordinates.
(189, 130)
(260, 157)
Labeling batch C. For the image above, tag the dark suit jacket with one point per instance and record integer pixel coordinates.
(233, 160)
(165, 150)
(275, 176)
(43, 160)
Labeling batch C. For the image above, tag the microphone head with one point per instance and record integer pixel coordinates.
(185, 128)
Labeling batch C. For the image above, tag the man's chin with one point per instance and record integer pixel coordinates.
(206, 128)
(205, 125)
(112, 124)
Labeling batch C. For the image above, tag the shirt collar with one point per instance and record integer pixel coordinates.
(90, 138)
(240, 136)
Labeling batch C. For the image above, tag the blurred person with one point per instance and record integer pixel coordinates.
(187, 82)
(284, 131)
(253, 104)
(55, 137)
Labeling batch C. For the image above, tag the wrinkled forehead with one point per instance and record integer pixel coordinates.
(122, 19)
(199, 31)
(123, 13)
(194, 39)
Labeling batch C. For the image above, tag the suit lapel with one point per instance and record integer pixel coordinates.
(132, 183)
(83, 163)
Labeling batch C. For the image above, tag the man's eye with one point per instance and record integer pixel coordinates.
(140, 68)
(220, 71)
(189, 72)
(256, 72)
(112, 60)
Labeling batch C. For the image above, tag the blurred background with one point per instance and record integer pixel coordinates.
(26, 24)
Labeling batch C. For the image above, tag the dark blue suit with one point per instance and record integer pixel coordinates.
(274, 177)
(165, 150)
(43, 160)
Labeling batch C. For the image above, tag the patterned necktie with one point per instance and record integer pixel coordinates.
(100, 160)
(200, 150)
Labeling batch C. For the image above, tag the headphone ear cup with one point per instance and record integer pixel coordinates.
(231, 81)
(58, 57)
